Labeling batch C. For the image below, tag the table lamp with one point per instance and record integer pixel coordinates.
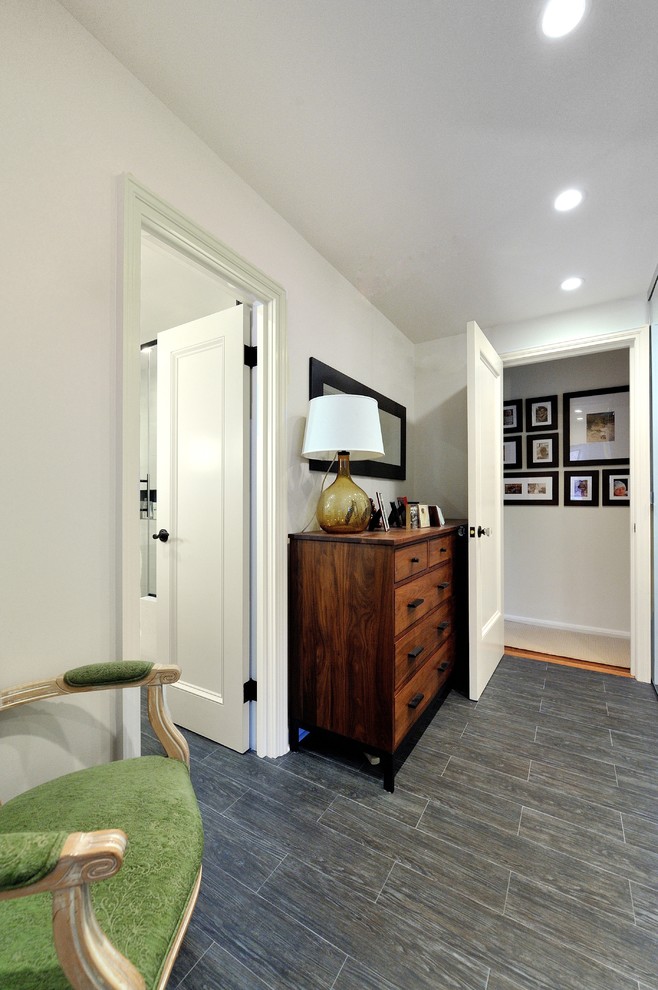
(343, 426)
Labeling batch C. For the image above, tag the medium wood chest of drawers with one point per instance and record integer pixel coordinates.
(371, 633)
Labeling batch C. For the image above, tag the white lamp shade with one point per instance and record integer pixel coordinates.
(343, 422)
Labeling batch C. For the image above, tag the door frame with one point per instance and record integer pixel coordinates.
(637, 341)
(140, 210)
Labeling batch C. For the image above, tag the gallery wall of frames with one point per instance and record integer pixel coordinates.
(579, 459)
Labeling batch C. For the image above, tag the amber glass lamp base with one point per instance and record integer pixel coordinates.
(344, 507)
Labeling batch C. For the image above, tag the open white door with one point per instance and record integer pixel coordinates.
(203, 505)
(485, 509)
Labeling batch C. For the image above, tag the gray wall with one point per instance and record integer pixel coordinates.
(563, 564)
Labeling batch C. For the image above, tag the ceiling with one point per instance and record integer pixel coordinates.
(418, 144)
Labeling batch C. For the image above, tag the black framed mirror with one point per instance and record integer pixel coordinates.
(324, 380)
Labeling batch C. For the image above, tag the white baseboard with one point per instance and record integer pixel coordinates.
(569, 627)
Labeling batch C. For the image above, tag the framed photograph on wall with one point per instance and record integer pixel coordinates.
(513, 416)
(596, 426)
(541, 413)
(542, 450)
(615, 489)
(511, 453)
(581, 488)
(531, 488)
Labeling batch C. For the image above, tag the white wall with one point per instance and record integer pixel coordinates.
(591, 321)
(72, 121)
(440, 465)
(361, 343)
(568, 565)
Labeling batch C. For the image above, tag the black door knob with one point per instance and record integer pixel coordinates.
(163, 536)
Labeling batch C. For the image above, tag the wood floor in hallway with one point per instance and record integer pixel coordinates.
(518, 852)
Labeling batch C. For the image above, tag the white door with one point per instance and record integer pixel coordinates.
(203, 504)
(485, 509)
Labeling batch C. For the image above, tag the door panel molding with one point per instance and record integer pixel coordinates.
(200, 692)
(140, 210)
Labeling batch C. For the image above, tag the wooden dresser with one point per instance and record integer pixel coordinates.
(371, 633)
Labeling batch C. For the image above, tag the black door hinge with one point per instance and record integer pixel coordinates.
(250, 692)
(250, 355)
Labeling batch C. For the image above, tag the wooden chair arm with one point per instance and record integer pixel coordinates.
(84, 858)
(103, 677)
(86, 955)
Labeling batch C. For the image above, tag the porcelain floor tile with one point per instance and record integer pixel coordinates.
(427, 854)
(616, 856)
(355, 864)
(392, 944)
(549, 799)
(623, 948)
(590, 884)
(512, 949)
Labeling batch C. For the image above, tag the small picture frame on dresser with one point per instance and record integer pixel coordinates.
(423, 516)
(379, 499)
(436, 516)
(413, 515)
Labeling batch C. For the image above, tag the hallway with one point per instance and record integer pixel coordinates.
(519, 851)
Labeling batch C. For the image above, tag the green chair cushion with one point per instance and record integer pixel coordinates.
(140, 909)
(26, 857)
(121, 672)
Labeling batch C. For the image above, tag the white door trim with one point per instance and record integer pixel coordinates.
(637, 342)
(141, 209)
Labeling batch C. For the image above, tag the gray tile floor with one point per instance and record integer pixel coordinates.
(519, 851)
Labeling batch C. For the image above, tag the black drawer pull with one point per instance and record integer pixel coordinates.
(443, 550)
(443, 585)
(442, 626)
(415, 701)
(415, 603)
(444, 665)
(415, 653)
(415, 560)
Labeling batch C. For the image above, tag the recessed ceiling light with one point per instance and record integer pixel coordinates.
(568, 199)
(562, 16)
(570, 284)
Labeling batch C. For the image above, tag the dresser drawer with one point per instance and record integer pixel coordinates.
(440, 550)
(418, 597)
(416, 645)
(442, 581)
(410, 560)
(444, 659)
(413, 698)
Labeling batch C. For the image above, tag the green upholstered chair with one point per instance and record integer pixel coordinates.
(100, 869)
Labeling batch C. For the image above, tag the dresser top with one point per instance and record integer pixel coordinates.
(394, 537)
